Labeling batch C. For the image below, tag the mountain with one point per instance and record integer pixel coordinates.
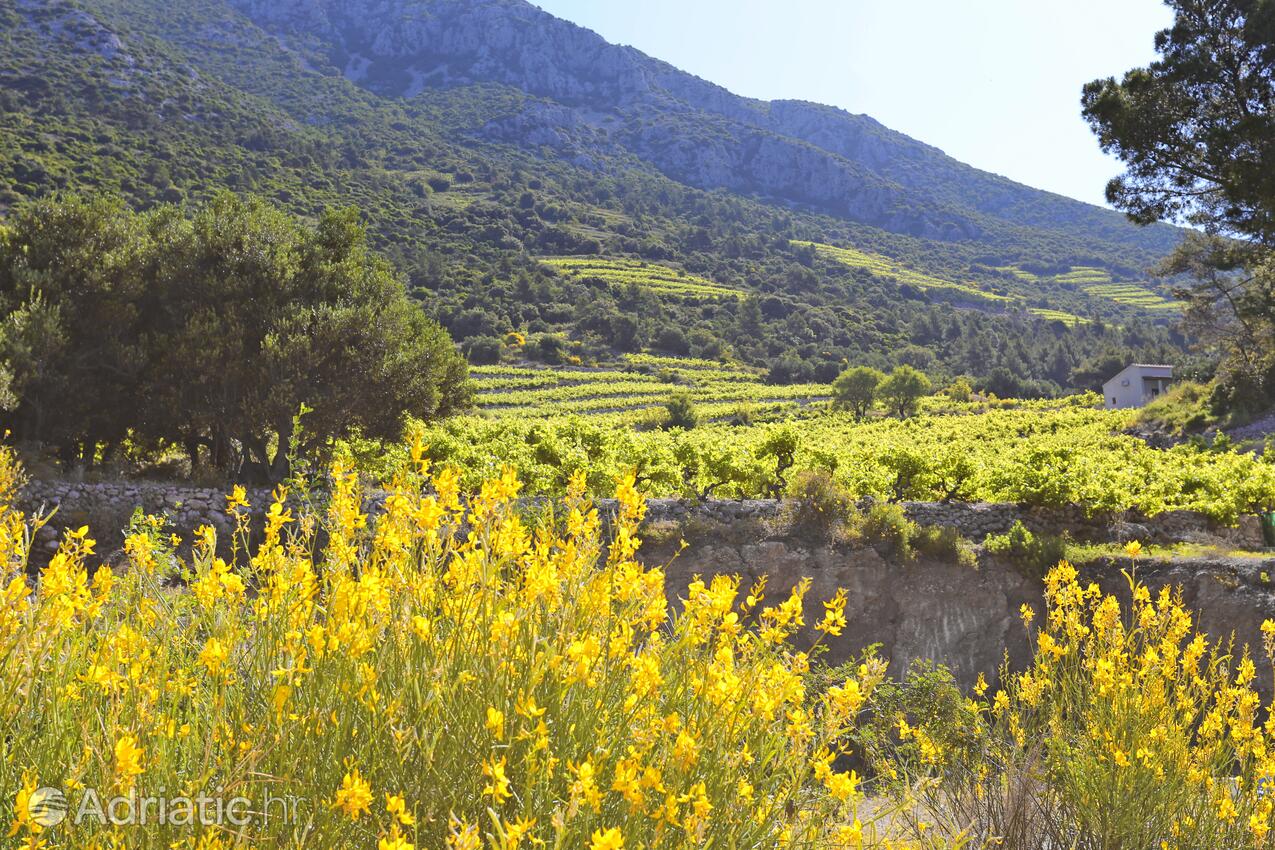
(482, 136)
(617, 98)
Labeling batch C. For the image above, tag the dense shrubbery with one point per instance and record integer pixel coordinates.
(209, 332)
(1036, 553)
(1129, 729)
(822, 508)
(449, 675)
(1185, 409)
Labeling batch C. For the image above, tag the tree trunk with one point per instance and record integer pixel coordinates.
(281, 466)
(191, 444)
(255, 467)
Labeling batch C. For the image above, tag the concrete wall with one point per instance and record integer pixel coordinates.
(1136, 386)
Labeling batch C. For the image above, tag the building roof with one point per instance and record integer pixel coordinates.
(1146, 370)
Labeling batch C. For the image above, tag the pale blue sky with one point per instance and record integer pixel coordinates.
(995, 83)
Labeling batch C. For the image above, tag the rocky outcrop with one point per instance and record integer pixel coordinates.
(966, 619)
(77, 29)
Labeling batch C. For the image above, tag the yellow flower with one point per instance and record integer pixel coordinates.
(1133, 548)
(842, 786)
(1259, 826)
(852, 835)
(495, 723)
(610, 839)
(128, 760)
(213, 657)
(397, 806)
(395, 841)
(354, 797)
(22, 816)
(497, 786)
(237, 499)
(685, 750)
(834, 618)
(1027, 614)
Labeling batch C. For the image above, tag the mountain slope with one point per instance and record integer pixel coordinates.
(692, 130)
(484, 139)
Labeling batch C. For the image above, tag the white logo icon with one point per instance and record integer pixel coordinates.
(47, 806)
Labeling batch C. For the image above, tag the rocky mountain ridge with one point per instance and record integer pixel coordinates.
(692, 130)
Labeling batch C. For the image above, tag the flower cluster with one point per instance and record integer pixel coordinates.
(1128, 729)
(457, 673)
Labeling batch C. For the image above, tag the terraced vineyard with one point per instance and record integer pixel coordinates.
(629, 392)
(1068, 319)
(653, 276)
(1098, 283)
(887, 268)
(1132, 295)
(1082, 275)
(1093, 281)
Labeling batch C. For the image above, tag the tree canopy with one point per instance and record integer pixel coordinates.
(1195, 128)
(210, 330)
(856, 389)
(1196, 131)
(903, 389)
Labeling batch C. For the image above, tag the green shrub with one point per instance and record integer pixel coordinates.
(927, 696)
(822, 506)
(742, 416)
(945, 542)
(1038, 553)
(960, 390)
(681, 412)
(888, 525)
(1184, 409)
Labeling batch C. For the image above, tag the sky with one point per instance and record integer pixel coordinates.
(994, 83)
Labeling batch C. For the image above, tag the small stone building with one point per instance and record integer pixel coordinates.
(1137, 385)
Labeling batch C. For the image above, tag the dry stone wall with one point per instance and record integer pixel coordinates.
(964, 618)
(976, 520)
(107, 506)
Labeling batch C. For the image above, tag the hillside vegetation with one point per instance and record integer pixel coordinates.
(469, 179)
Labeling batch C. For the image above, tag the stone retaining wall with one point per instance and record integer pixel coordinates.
(976, 520)
(107, 506)
(962, 617)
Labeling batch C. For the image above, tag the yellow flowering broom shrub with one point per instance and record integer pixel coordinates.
(448, 676)
(1129, 730)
